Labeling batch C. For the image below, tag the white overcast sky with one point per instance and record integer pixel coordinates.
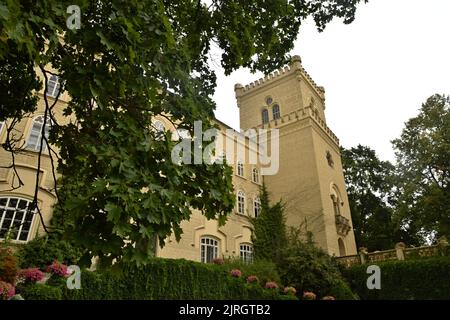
(377, 71)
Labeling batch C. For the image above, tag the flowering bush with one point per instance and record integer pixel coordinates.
(252, 279)
(271, 285)
(219, 261)
(58, 269)
(290, 291)
(236, 273)
(8, 265)
(31, 274)
(7, 290)
(329, 298)
(309, 295)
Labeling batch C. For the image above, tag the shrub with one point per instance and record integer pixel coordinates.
(58, 269)
(43, 251)
(167, 279)
(8, 265)
(420, 279)
(31, 275)
(309, 296)
(271, 285)
(236, 273)
(264, 270)
(309, 269)
(290, 290)
(328, 298)
(252, 279)
(7, 290)
(38, 291)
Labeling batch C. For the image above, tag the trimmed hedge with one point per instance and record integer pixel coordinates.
(422, 279)
(38, 291)
(166, 279)
(264, 270)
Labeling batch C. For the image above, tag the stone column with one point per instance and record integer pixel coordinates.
(443, 246)
(400, 251)
(363, 255)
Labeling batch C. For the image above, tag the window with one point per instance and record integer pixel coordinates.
(15, 217)
(240, 169)
(269, 101)
(265, 116)
(255, 175)
(336, 205)
(159, 129)
(2, 124)
(35, 136)
(246, 251)
(276, 112)
(241, 202)
(53, 86)
(209, 249)
(256, 207)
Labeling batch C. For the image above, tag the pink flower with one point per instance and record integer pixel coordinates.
(309, 295)
(58, 269)
(271, 285)
(252, 279)
(7, 290)
(218, 261)
(236, 273)
(31, 274)
(329, 298)
(290, 291)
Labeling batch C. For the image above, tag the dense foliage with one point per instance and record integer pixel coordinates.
(128, 62)
(43, 251)
(423, 156)
(419, 279)
(163, 279)
(8, 265)
(307, 268)
(265, 271)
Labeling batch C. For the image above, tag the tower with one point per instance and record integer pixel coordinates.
(310, 178)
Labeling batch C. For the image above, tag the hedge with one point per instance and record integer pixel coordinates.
(37, 291)
(422, 279)
(166, 279)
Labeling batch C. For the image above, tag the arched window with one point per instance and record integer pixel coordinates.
(53, 86)
(256, 207)
(336, 204)
(246, 252)
(265, 116)
(35, 136)
(276, 112)
(255, 175)
(209, 249)
(342, 251)
(241, 202)
(240, 168)
(16, 217)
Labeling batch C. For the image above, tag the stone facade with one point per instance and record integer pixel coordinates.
(309, 180)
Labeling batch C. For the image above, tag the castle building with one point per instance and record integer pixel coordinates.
(308, 179)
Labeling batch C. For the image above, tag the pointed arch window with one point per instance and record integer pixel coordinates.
(35, 136)
(276, 112)
(241, 202)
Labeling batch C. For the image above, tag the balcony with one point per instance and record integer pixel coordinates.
(342, 225)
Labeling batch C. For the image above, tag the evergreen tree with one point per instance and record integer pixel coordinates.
(269, 235)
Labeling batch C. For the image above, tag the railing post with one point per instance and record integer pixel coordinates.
(400, 251)
(443, 246)
(363, 255)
